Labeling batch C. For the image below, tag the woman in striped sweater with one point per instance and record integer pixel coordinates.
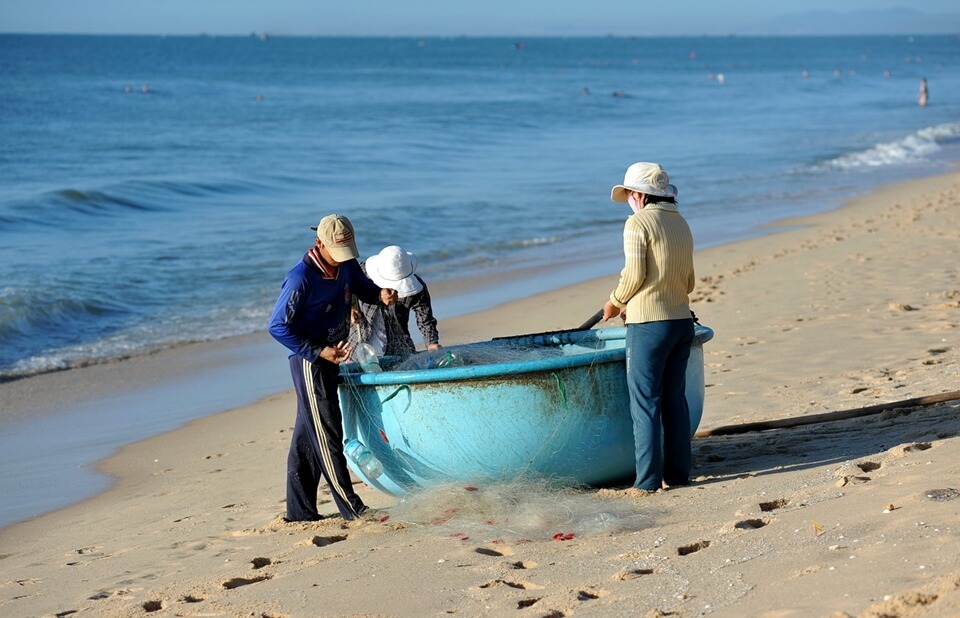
(652, 298)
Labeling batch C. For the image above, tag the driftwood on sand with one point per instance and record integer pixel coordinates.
(824, 417)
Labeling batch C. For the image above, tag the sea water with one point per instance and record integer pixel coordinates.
(154, 190)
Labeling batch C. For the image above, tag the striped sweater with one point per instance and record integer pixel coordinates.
(657, 276)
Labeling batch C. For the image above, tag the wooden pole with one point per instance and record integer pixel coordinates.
(596, 317)
(725, 430)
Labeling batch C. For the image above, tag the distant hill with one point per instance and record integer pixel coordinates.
(892, 21)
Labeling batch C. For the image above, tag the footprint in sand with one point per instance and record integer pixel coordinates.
(686, 550)
(852, 480)
(237, 582)
(750, 524)
(773, 505)
(518, 585)
(506, 551)
(89, 554)
(901, 307)
(107, 594)
(152, 606)
(902, 450)
(590, 595)
(636, 573)
(323, 541)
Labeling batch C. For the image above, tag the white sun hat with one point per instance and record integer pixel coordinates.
(644, 177)
(394, 268)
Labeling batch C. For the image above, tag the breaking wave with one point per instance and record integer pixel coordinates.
(913, 148)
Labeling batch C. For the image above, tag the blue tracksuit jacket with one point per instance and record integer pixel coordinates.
(313, 312)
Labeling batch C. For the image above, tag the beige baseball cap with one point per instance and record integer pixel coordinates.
(644, 177)
(336, 234)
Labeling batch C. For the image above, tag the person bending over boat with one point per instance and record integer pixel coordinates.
(311, 318)
(386, 328)
(653, 299)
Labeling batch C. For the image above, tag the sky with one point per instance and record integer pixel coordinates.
(480, 18)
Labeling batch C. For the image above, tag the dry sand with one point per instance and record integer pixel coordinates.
(861, 517)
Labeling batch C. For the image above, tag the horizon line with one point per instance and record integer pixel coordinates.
(268, 35)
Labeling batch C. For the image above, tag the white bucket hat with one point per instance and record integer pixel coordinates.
(647, 178)
(394, 268)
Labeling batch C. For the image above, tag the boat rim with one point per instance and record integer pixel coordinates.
(350, 375)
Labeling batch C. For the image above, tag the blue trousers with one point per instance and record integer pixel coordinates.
(657, 354)
(316, 449)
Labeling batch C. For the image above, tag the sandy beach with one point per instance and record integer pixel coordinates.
(861, 517)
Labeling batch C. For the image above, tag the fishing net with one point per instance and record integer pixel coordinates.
(486, 353)
(524, 509)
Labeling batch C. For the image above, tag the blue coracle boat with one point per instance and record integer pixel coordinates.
(557, 407)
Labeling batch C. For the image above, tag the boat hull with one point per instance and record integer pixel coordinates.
(564, 416)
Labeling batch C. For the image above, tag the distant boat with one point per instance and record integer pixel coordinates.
(556, 406)
(264, 36)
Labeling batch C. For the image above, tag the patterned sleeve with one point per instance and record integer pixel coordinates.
(425, 320)
(363, 330)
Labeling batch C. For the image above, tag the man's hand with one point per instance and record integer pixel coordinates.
(337, 353)
(388, 296)
(433, 346)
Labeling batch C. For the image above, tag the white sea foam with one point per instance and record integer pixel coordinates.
(913, 148)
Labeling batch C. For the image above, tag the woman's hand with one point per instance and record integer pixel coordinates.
(388, 296)
(610, 310)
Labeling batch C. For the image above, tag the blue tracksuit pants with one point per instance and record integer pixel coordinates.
(316, 449)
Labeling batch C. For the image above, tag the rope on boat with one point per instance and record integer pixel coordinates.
(725, 430)
(562, 387)
(395, 393)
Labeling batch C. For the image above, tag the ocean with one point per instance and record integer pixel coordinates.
(155, 190)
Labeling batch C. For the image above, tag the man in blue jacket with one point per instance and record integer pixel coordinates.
(311, 319)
